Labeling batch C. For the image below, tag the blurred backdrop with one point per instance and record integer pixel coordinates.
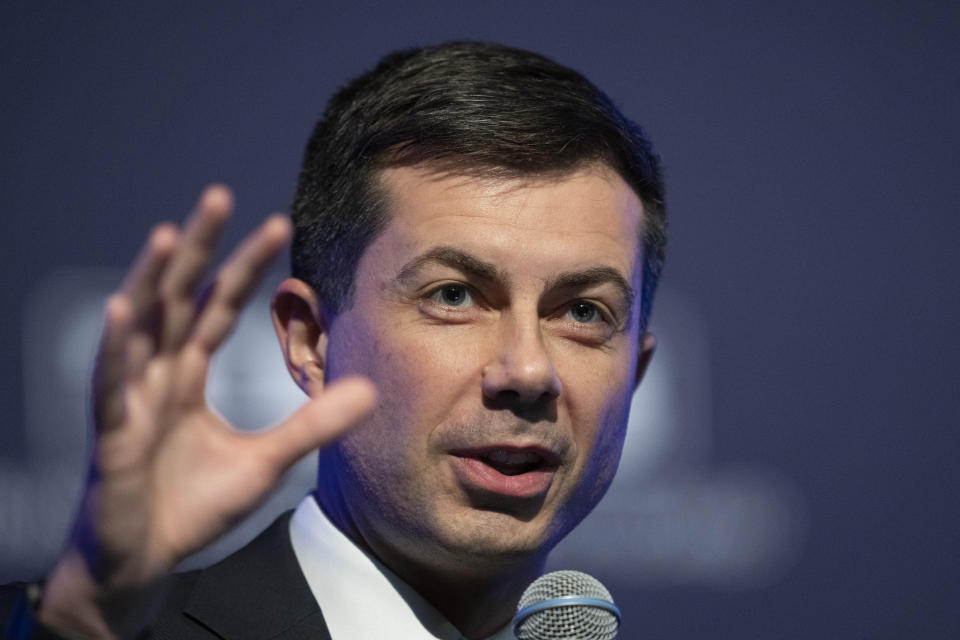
(791, 464)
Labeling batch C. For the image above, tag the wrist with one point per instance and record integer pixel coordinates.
(71, 600)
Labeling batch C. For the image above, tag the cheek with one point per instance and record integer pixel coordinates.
(423, 374)
(599, 404)
(601, 455)
(435, 367)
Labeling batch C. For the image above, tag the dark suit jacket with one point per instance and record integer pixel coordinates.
(256, 593)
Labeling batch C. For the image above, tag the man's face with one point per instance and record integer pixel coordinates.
(499, 323)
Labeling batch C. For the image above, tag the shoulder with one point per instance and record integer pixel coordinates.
(256, 592)
(17, 612)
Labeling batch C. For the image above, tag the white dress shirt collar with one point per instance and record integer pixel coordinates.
(360, 598)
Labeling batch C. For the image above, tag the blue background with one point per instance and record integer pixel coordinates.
(811, 157)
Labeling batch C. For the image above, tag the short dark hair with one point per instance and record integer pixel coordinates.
(464, 107)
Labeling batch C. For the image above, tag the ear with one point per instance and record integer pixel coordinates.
(648, 343)
(301, 329)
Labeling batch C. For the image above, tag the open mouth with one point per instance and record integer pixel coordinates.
(511, 463)
(519, 472)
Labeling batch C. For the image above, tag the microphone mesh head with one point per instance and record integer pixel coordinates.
(580, 622)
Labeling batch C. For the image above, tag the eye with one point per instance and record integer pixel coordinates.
(585, 312)
(452, 295)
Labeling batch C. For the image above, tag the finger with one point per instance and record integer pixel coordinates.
(142, 281)
(200, 233)
(110, 372)
(189, 263)
(318, 422)
(237, 280)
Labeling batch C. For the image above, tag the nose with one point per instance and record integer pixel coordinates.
(521, 370)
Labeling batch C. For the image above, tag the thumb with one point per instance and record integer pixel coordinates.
(319, 421)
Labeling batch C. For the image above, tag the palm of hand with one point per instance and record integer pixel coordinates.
(169, 474)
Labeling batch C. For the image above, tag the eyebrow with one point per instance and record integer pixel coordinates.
(455, 259)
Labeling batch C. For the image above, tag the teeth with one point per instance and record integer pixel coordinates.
(502, 456)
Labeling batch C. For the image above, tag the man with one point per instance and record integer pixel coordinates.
(478, 234)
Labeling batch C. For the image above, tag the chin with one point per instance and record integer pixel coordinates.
(492, 537)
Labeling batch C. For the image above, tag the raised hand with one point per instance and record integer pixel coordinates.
(168, 474)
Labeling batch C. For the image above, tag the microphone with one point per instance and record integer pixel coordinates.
(566, 605)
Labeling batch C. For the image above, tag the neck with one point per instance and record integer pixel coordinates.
(477, 595)
(477, 602)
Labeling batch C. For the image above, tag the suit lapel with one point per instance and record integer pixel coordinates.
(258, 592)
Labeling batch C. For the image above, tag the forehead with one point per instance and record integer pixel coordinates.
(585, 218)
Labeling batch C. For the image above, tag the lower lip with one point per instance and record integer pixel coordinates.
(475, 474)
